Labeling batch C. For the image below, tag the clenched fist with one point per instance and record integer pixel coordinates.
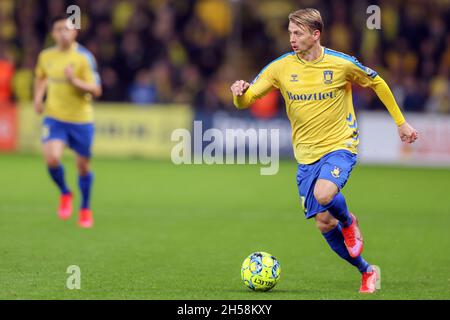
(407, 133)
(239, 87)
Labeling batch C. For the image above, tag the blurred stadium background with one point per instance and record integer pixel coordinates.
(166, 63)
(154, 54)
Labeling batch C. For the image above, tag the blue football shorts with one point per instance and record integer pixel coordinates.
(77, 136)
(334, 166)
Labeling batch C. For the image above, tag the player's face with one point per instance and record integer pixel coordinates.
(301, 39)
(62, 34)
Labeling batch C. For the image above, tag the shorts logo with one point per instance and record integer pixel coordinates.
(45, 133)
(328, 77)
(336, 172)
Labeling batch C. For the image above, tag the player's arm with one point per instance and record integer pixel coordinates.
(369, 78)
(86, 86)
(40, 86)
(244, 93)
(406, 132)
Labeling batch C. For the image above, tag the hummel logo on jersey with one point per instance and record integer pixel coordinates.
(294, 77)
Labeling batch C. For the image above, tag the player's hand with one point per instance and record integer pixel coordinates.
(239, 87)
(68, 72)
(38, 106)
(407, 133)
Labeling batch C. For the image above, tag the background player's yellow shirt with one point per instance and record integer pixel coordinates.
(65, 102)
(318, 97)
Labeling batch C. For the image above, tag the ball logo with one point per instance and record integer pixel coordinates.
(262, 282)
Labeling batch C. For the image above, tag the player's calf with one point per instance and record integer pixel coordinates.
(329, 198)
(335, 238)
(337, 207)
(325, 222)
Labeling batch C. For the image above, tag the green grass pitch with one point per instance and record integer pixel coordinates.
(181, 232)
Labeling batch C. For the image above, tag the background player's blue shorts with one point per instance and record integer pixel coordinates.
(334, 166)
(78, 137)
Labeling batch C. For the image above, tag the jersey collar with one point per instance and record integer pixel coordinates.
(320, 58)
(73, 46)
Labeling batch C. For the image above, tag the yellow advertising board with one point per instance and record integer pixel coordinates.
(121, 130)
(29, 129)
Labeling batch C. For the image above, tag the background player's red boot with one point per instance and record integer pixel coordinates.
(353, 238)
(371, 281)
(65, 206)
(85, 219)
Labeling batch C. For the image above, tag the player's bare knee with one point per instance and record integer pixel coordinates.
(83, 167)
(52, 161)
(323, 197)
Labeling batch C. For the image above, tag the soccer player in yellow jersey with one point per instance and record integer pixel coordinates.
(67, 75)
(315, 83)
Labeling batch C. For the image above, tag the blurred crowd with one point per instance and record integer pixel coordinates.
(186, 51)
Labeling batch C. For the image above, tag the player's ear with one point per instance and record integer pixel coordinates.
(316, 34)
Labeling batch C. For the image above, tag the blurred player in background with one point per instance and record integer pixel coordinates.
(316, 85)
(67, 75)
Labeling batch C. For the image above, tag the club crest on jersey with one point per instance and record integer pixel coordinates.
(328, 77)
(336, 172)
(294, 77)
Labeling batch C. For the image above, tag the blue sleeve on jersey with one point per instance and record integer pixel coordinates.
(371, 73)
(91, 61)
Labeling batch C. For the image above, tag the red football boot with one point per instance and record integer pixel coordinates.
(85, 220)
(353, 238)
(371, 281)
(65, 206)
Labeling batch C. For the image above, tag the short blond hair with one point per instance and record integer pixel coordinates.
(308, 18)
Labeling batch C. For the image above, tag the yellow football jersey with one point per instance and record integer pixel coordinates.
(65, 102)
(318, 98)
